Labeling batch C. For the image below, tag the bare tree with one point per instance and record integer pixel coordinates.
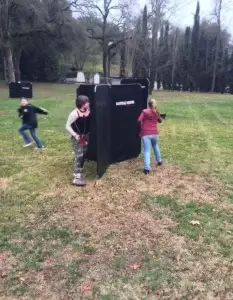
(158, 8)
(175, 47)
(161, 12)
(111, 16)
(20, 19)
(5, 14)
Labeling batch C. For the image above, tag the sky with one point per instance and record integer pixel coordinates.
(182, 15)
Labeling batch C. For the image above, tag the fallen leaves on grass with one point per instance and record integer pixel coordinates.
(86, 287)
(135, 266)
(50, 260)
(112, 216)
(3, 274)
(2, 257)
(4, 183)
(98, 183)
(21, 279)
(195, 223)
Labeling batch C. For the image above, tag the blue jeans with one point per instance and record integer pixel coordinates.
(25, 136)
(147, 141)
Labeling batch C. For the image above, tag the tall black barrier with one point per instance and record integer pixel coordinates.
(103, 128)
(20, 89)
(126, 107)
(114, 130)
(145, 87)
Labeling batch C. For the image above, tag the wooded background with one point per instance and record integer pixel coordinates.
(43, 40)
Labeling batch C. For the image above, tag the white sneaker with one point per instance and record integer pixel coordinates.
(79, 182)
(28, 145)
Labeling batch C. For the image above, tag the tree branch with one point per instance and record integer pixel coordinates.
(32, 31)
(92, 36)
(116, 43)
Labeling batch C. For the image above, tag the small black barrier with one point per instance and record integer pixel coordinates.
(20, 90)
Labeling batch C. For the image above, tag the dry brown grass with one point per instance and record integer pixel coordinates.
(127, 234)
(109, 212)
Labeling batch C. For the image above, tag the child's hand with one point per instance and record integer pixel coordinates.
(44, 110)
(155, 110)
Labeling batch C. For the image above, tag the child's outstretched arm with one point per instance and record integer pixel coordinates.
(40, 110)
(160, 119)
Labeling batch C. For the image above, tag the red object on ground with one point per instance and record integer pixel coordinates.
(50, 259)
(87, 287)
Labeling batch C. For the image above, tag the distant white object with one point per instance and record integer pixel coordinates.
(115, 81)
(97, 78)
(161, 87)
(155, 86)
(80, 77)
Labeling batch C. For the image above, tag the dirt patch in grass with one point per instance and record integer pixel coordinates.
(4, 183)
(165, 180)
(111, 206)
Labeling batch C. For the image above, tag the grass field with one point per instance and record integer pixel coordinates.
(126, 236)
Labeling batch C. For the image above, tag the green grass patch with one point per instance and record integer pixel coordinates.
(15, 286)
(196, 221)
(33, 248)
(156, 275)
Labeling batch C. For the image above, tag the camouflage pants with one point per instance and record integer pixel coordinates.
(79, 156)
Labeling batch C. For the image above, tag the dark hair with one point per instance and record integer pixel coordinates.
(81, 100)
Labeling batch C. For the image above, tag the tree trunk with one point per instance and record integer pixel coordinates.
(153, 58)
(105, 64)
(215, 63)
(174, 58)
(105, 47)
(122, 60)
(154, 49)
(218, 10)
(9, 60)
(16, 64)
(109, 65)
(5, 68)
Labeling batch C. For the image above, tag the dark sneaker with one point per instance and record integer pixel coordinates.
(160, 163)
(146, 172)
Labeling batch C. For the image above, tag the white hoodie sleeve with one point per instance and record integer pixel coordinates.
(73, 116)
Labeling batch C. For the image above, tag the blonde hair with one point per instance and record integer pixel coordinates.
(152, 103)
